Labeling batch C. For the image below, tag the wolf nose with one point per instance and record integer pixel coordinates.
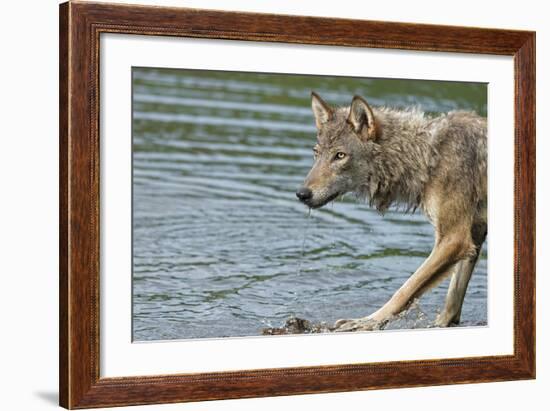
(304, 194)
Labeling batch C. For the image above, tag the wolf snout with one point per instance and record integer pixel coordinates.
(304, 194)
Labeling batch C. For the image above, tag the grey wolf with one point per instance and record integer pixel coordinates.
(389, 156)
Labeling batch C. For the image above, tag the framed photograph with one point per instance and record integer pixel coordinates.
(259, 205)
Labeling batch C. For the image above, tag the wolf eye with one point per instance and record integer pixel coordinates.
(340, 155)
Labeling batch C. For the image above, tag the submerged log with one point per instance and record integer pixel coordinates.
(411, 318)
(295, 325)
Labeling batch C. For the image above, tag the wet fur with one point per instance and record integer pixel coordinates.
(408, 159)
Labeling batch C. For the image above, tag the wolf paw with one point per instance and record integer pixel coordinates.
(358, 324)
(445, 320)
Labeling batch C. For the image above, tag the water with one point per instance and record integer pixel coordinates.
(221, 245)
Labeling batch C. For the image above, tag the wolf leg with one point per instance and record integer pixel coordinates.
(459, 281)
(448, 251)
(456, 293)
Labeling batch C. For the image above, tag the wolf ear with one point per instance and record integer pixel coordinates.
(361, 118)
(321, 110)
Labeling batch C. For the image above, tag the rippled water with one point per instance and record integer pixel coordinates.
(221, 246)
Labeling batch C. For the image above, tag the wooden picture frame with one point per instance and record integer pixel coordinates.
(80, 27)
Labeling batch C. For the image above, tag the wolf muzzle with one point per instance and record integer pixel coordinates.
(304, 194)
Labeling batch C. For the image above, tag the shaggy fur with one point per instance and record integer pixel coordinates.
(407, 158)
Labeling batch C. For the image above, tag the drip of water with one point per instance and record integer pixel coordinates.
(300, 262)
(303, 251)
(333, 243)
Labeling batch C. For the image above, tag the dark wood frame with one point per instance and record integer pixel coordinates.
(80, 27)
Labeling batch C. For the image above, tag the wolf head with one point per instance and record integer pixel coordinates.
(344, 137)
